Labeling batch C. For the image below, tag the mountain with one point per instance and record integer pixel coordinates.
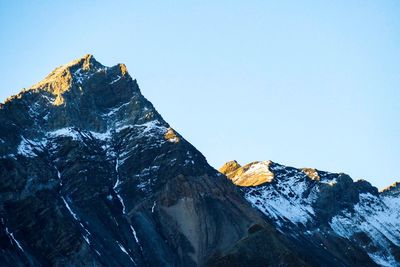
(324, 209)
(92, 175)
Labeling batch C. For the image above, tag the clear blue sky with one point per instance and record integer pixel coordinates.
(303, 83)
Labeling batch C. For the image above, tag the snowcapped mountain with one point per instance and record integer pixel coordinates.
(91, 175)
(308, 203)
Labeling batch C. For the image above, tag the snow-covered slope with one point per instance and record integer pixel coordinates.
(308, 203)
(285, 199)
(377, 218)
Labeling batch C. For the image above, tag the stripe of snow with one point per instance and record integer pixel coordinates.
(11, 235)
(86, 237)
(125, 251)
(136, 238)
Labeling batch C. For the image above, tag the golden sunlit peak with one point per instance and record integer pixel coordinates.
(252, 174)
(87, 62)
(61, 79)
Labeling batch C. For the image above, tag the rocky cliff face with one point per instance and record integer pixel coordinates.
(91, 175)
(324, 209)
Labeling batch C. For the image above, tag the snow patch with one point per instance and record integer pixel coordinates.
(65, 132)
(69, 209)
(123, 249)
(115, 110)
(58, 175)
(136, 238)
(116, 79)
(29, 148)
(80, 75)
(122, 203)
(101, 136)
(330, 182)
(116, 185)
(76, 217)
(284, 200)
(13, 239)
(257, 168)
(152, 126)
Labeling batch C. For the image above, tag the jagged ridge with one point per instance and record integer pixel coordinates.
(307, 202)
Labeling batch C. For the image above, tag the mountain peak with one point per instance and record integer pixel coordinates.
(76, 72)
(87, 62)
(252, 174)
(83, 93)
(75, 76)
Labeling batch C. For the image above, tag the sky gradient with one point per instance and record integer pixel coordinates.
(310, 84)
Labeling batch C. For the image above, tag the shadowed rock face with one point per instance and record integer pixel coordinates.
(91, 175)
(341, 221)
